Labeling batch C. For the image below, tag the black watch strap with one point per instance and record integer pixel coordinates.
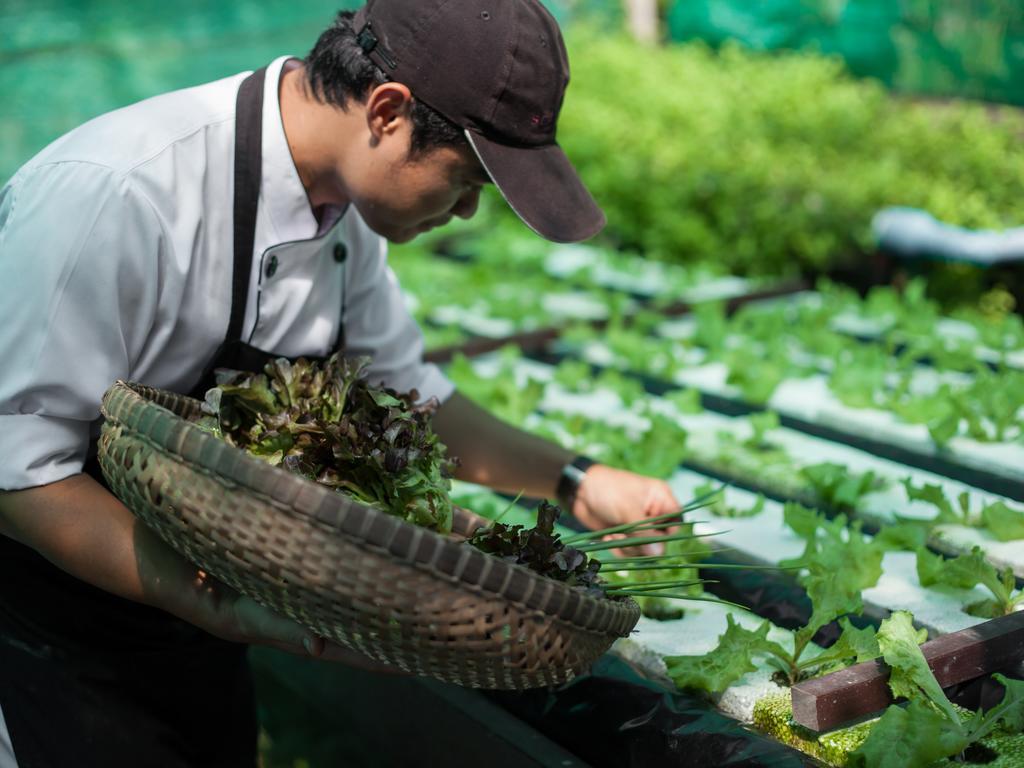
(569, 481)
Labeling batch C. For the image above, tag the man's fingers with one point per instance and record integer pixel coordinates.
(343, 655)
(264, 626)
(660, 501)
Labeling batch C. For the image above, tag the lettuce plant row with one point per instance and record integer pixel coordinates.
(836, 567)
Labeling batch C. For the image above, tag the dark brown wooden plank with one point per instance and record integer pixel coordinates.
(863, 689)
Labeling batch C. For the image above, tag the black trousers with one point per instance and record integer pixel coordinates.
(89, 679)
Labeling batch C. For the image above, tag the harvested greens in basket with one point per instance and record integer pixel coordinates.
(326, 423)
(541, 549)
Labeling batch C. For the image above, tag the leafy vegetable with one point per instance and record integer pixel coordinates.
(840, 564)
(929, 727)
(719, 508)
(912, 737)
(837, 572)
(685, 400)
(909, 535)
(934, 495)
(756, 376)
(852, 647)
(326, 423)
(762, 423)
(731, 659)
(837, 486)
(792, 201)
(541, 550)
(968, 571)
(506, 396)
(1005, 523)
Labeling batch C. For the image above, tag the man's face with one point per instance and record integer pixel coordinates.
(402, 196)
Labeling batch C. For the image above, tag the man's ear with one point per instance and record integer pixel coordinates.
(388, 106)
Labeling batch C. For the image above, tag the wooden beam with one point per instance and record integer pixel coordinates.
(853, 693)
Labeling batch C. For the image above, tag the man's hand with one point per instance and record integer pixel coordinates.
(174, 584)
(221, 611)
(609, 496)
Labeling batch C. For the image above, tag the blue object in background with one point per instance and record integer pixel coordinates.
(916, 234)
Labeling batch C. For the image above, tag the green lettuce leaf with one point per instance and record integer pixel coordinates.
(852, 647)
(1005, 523)
(733, 658)
(915, 736)
(934, 495)
(968, 571)
(911, 677)
(836, 486)
(929, 727)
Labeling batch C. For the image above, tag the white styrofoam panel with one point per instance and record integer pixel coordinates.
(811, 400)
(716, 289)
(574, 305)
(765, 538)
(697, 634)
(475, 320)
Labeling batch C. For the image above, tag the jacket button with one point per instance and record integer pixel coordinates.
(272, 265)
(340, 253)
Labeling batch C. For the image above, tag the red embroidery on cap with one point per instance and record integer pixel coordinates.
(543, 122)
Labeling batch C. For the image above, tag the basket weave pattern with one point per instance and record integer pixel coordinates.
(394, 591)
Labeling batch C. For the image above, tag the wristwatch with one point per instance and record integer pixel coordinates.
(569, 481)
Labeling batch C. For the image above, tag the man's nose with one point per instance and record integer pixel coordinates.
(466, 205)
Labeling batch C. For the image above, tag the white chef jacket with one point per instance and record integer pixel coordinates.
(116, 243)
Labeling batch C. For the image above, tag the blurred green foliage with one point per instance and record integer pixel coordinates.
(768, 163)
(759, 163)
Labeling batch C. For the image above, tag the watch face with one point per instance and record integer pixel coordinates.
(573, 474)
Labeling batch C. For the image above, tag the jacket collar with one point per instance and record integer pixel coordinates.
(282, 195)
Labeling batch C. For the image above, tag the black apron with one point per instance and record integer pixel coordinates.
(90, 679)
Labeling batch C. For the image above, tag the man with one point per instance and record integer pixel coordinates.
(221, 226)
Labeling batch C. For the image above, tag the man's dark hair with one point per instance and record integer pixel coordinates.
(337, 70)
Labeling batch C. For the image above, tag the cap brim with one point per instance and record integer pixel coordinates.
(542, 187)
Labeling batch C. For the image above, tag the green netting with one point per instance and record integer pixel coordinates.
(63, 62)
(971, 48)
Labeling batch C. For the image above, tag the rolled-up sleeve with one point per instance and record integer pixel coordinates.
(78, 293)
(378, 324)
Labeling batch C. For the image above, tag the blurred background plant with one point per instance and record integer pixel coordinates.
(753, 144)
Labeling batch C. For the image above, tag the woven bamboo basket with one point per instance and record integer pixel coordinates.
(396, 592)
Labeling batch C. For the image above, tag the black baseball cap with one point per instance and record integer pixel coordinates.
(498, 69)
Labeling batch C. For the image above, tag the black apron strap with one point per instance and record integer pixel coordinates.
(125, 683)
(248, 172)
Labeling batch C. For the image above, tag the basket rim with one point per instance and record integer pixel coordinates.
(131, 405)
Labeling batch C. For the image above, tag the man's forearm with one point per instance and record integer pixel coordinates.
(496, 454)
(83, 529)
